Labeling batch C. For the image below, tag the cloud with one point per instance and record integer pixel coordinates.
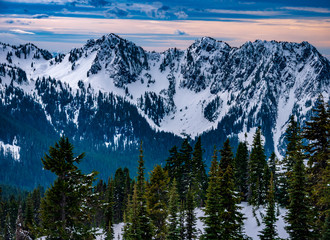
(242, 12)
(308, 9)
(99, 3)
(39, 16)
(21, 31)
(116, 13)
(180, 33)
(181, 15)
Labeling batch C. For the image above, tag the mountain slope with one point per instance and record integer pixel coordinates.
(110, 93)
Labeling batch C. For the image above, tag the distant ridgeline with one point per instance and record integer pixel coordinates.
(109, 94)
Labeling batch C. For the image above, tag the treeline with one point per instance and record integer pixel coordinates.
(163, 205)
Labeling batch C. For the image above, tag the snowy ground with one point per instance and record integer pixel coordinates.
(251, 227)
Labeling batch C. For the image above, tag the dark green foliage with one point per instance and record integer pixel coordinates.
(173, 228)
(65, 209)
(299, 212)
(269, 232)
(317, 132)
(157, 201)
(138, 223)
(199, 177)
(231, 218)
(109, 209)
(257, 165)
(212, 206)
(190, 217)
(241, 164)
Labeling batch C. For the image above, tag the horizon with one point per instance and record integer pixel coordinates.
(60, 25)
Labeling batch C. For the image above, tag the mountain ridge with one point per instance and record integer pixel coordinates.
(210, 89)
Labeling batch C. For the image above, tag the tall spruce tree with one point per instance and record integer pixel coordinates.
(190, 216)
(109, 204)
(199, 176)
(317, 132)
(212, 209)
(184, 158)
(299, 215)
(65, 209)
(173, 220)
(269, 232)
(257, 165)
(230, 215)
(242, 170)
(138, 223)
(157, 200)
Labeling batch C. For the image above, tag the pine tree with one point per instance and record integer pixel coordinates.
(65, 211)
(231, 218)
(212, 206)
(173, 228)
(199, 177)
(230, 215)
(157, 200)
(298, 216)
(186, 168)
(109, 232)
(138, 224)
(241, 173)
(317, 132)
(190, 216)
(226, 156)
(269, 232)
(257, 165)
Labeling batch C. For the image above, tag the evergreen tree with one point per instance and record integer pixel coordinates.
(109, 232)
(138, 225)
(157, 200)
(186, 168)
(257, 165)
(269, 232)
(298, 216)
(230, 215)
(226, 156)
(199, 177)
(212, 206)
(190, 216)
(241, 164)
(173, 228)
(65, 211)
(317, 132)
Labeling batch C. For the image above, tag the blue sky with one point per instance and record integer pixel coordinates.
(59, 25)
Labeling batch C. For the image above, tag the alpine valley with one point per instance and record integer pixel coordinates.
(109, 94)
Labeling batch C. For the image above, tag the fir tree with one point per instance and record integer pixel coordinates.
(109, 232)
(241, 164)
(212, 206)
(190, 216)
(257, 165)
(157, 200)
(65, 211)
(230, 215)
(298, 216)
(173, 228)
(199, 177)
(269, 232)
(138, 225)
(317, 132)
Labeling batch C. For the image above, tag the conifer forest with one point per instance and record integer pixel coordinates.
(162, 204)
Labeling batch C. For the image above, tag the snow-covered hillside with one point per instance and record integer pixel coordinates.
(251, 226)
(208, 86)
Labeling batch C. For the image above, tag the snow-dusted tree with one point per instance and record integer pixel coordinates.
(65, 209)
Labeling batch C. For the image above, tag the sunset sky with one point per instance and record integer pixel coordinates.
(59, 25)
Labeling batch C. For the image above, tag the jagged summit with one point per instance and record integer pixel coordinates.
(210, 85)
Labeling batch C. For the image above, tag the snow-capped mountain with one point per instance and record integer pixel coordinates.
(210, 89)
